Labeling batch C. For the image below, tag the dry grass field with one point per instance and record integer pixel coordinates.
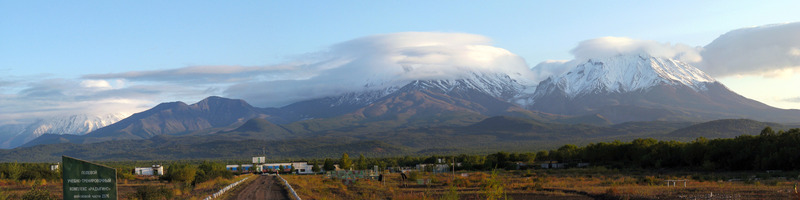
(544, 184)
(126, 189)
(593, 183)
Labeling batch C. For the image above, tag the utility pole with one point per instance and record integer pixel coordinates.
(454, 169)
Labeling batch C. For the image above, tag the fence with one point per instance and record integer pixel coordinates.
(225, 189)
(289, 187)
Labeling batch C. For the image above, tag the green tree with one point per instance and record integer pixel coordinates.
(181, 173)
(767, 131)
(315, 167)
(361, 163)
(499, 160)
(15, 171)
(328, 165)
(125, 174)
(211, 170)
(345, 163)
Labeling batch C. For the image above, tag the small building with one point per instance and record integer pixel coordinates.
(242, 167)
(553, 165)
(435, 168)
(246, 167)
(299, 167)
(155, 170)
(54, 167)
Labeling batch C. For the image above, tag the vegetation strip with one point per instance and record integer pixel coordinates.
(289, 187)
(225, 189)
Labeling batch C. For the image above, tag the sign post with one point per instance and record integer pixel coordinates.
(85, 180)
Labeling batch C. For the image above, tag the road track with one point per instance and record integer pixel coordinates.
(264, 187)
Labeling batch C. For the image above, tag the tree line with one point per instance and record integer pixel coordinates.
(769, 150)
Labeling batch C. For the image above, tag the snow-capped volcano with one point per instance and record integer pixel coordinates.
(63, 125)
(624, 73)
(641, 88)
(500, 86)
(497, 85)
(75, 124)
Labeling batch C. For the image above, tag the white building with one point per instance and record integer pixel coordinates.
(156, 170)
(299, 167)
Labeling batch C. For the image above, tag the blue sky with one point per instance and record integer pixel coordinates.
(44, 42)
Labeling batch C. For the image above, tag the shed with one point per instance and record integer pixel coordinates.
(155, 170)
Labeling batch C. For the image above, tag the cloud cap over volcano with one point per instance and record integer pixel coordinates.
(385, 60)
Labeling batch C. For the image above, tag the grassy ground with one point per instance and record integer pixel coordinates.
(551, 184)
(126, 189)
(594, 183)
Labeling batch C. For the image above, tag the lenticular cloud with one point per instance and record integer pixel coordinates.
(765, 50)
(605, 47)
(612, 46)
(386, 60)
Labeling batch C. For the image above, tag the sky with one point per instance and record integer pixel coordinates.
(60, 58)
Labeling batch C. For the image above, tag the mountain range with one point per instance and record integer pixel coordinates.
(616, 97)
(14, 135)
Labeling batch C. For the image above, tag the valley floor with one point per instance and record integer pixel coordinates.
(147, 187)
(549, 184)
(585, 183)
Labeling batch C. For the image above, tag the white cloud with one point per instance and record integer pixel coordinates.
(549, 68)
(46, 98)
(199, 74)
(771, 50)
(371, 62)
(379, 61)
(613, 46)
(99, 84)
(792, 99)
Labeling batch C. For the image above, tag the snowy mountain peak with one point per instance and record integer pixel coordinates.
(497, 85)
(74, 124)
(625, 73)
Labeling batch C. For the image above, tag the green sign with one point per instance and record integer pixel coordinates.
(85, 180)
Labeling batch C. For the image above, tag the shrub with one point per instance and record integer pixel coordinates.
(493, 187)
(413, 176)
(4, 194)
(452, 194)
(211, 170)
(648, 180)
(152, 192)
(38, 193)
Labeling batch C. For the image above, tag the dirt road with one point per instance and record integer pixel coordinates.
(264, 187)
